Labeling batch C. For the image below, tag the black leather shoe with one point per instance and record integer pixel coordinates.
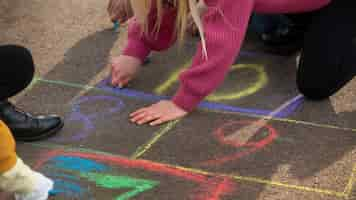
(26, 127)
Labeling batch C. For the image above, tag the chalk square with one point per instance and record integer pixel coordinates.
(101, 121)
(53, 161)
(287, 153)
(330, 112)
(82, 175)
(93, 118)
(256, 80)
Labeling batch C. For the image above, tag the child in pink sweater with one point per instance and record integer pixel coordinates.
(222, 27)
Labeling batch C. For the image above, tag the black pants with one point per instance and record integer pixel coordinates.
(328, 59)
(16, 70)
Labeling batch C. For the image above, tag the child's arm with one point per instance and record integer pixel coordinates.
(225, 27)
(139, 45)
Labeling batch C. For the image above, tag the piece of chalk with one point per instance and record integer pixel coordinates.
(53, 193)
(116, 26)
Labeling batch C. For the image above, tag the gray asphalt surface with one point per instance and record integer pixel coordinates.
(306, 150)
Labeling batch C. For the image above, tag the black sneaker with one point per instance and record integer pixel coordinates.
(26, 127)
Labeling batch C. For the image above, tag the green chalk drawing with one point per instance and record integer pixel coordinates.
(121, 182)
(264, 134)
(279, 139)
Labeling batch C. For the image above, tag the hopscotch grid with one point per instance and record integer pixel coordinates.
(292, 121)
(349, 187)
(158, 135)
(286, 120)
(242, 179)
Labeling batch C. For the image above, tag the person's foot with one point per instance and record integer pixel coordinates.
(284, 40)
(41, 190)
(123, 70)
(26, 127)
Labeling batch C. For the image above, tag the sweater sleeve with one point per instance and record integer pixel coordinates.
(225, 26)
(136, 45)
(140, 44)
(288, 6)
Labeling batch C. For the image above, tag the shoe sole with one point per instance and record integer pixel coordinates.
(42, 136)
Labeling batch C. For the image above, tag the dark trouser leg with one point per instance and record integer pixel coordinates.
(281, 34)
(328, 60)
(16, 70)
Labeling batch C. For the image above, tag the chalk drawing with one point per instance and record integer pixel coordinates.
(137, 186)
(68, 188)
(209, 106)
(262, 81)
(146, 147)
(78, 164)
(193, 171)
(350, 185)
(77, 115)
(246, 148)
(91, 99)
(161, 89)
(96, 170)
(67, 172)
(245, 133)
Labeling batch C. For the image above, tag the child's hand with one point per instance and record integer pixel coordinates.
(158, 113)
(119, 10)
(123, 70)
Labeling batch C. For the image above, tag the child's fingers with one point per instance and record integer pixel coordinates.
(138, 117)
(159, 121)
(138, 112)
(148, 118)
(114, 81)
(115, 78)
(117, 16)
(124, 80)
(109, 8)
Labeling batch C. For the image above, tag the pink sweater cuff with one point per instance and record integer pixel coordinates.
(136, 49)
(186, 100)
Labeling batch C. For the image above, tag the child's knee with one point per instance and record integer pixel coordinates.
(314, 93)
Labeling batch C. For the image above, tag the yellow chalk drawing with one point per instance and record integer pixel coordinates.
(262, 80)
(350, 185)
(171, 80)
(157, 136)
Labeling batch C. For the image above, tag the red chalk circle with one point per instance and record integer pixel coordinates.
(221, 135)
(248, 148)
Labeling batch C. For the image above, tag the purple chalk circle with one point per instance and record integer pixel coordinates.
(77, 116)
(119, 105)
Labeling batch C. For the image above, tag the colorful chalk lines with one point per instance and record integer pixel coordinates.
(99, 155)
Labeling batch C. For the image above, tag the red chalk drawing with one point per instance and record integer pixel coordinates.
(210, 188)
(248, 147)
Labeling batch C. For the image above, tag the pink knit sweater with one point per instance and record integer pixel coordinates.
(225, 23)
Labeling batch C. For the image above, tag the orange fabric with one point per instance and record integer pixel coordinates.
(8, 155)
